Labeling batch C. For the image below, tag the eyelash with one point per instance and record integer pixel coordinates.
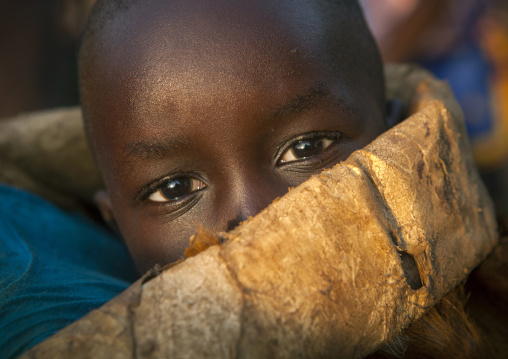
(156, 186)
(333, 136)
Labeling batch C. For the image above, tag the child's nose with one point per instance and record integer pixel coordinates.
(254, 196)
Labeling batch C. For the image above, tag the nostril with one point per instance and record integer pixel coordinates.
(410, 268)
(233, 223)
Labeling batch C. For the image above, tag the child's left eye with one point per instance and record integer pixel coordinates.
(305, 148)
(176, 188)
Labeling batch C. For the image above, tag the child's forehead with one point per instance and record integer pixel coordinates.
(186, 44)
(223, 32)
(173, 47)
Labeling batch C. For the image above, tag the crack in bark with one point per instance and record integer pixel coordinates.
(131, 308)
(407, 260)
(242, 310)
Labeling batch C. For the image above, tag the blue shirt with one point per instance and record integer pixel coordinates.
(55, 267)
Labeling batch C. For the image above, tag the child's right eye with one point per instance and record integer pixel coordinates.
(176, 188)
(305, 148)
(308, 146)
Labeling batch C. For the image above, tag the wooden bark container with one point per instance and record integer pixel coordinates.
(335, 268)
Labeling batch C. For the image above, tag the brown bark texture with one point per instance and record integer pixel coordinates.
(335, 268)
(46, 153)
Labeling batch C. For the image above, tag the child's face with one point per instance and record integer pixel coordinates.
(205, 116)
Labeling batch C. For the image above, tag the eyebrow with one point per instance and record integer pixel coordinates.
(302, 102)
(161, 149)
(151, 149)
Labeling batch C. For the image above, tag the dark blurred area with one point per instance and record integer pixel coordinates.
(38, 40)
(465, 43)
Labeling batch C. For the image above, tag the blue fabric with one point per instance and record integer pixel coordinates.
(467, 71)
(54, 268)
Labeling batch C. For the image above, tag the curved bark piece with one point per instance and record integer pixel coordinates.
(335, 268)
(46, 153)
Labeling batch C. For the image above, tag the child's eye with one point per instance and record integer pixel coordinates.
(176, 188)
(305, 148)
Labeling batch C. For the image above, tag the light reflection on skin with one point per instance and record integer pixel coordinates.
(210, 119)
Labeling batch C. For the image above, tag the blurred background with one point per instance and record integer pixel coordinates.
(38, 40)
(464, 42)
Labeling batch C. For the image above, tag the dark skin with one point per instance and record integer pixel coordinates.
(212, 111)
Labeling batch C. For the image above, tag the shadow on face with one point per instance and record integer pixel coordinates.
(204, 113)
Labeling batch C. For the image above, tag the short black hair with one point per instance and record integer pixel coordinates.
(363, 51)
(104, 11)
